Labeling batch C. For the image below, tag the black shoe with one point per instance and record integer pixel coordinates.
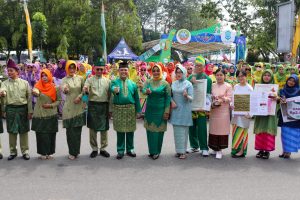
(1, 156)
(11, 157)
(120, 156)
(238, 156)
(259, 154)
(104, 154)
(131, 154)
(26, 156)
(150, 155)
(93, 154)
(266, 155)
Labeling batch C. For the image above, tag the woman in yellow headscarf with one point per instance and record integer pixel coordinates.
(157, 110)
(73, 110)
(258, 67)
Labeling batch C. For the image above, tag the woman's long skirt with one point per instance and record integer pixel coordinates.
(155, 141)
(264, 142)
(239, 140)
(218, 142)
(290, 138)
(181, 134)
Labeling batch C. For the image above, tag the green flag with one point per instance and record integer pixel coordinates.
(104, 55)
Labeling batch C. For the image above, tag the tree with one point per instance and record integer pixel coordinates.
(40, 27)
(62, 49)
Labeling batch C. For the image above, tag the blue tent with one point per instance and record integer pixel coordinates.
(122, 52)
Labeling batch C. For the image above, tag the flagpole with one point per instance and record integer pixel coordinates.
(29, 31)
(103, 26)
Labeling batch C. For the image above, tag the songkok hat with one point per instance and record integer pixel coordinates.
(12, 64)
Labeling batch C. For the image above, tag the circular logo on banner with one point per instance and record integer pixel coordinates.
(228, 37)
(183, 36)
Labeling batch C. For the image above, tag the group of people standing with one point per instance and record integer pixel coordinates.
(90, 97)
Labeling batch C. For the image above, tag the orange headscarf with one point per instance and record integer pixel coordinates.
(47, 88)
(70, 62)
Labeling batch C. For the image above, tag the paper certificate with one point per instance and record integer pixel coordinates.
(199, 100)
(293, 108)
(269, 90)
(241, 103)
(259, 104)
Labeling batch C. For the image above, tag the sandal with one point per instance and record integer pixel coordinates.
(42, 157)
(177, 155)
(71, 157)
(182, 156)
(50, 157)
(154, 157)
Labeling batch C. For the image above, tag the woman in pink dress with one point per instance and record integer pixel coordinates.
(219, 120)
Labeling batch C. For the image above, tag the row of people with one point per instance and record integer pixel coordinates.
(120, 98)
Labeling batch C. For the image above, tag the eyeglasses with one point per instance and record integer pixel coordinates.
(99, 70)
(258, 66)
(143, 70)
(29, 67)
(190, 68)
(248, 70)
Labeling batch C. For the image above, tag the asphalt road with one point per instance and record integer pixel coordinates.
(142, 178)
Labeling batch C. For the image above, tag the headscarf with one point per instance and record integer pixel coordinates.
(296, 70)
(171, 67)
(232, 74)
(69, 62)
(60, 72)
(160, 70)
(272, 77)
(207, 71)
(47, 88)
(289, 92)
(82, 73)
(183, 69)
(280, 77)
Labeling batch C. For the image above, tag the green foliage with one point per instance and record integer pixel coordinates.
(39, 29)
(62, 49)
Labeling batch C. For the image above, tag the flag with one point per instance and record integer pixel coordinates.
(29, 31)
(296, 39)
(104, 55)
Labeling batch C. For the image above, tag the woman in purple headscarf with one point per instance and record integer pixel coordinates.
(59, 74)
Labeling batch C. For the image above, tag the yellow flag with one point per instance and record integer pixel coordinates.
(296, 39)
(29, 31)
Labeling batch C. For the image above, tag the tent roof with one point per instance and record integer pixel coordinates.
(122, 52)
(193, 47)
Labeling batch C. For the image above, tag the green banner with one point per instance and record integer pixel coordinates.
(166, 45)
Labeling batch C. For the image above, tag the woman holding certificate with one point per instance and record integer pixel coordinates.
(220, 114)
(265, 127)
(240, 123)
(290, 131)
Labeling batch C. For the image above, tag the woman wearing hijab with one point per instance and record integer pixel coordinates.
(280, 77)
(220, 114)
(181, 118)
(290, 131)
(209, 69)
(258, 70)
(44, 121)
(265, 127)
(73, 110)
(59, 74)
(157, 111)
(250, 77)
(143, 77)
(230, 77)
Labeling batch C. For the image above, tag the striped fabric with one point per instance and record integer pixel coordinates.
(239, 140)
(264, 142)
(143, 104)
(290, 138)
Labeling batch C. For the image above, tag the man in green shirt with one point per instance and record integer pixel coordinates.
(98, 89)
(126, 105)
(18, 109)
(198, 132)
